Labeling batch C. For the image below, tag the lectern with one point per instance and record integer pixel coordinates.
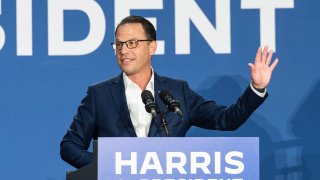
(184, 158)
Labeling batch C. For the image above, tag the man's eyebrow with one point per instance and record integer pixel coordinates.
(117, 40)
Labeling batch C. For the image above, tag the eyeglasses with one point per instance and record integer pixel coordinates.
(130, 44)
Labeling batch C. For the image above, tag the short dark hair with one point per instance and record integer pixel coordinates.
(147, 26)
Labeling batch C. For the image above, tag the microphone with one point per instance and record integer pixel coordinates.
(150, 105)
(172, 104)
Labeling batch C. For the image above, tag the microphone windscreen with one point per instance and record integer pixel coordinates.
(164, 94)
(145, 95)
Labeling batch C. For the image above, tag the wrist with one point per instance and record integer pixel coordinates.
(260, 90)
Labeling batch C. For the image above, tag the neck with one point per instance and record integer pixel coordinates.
(141, 79)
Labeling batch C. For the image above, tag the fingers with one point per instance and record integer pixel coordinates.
(274, 64)
(269, 57)
(251, 65)
(258, 55)
(265, 54)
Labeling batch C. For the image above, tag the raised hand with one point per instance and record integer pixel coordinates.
(261, 70)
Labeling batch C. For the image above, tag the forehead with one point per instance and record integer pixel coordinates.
(130, 31)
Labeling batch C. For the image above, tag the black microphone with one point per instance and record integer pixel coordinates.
(172, 104)
(150, 105)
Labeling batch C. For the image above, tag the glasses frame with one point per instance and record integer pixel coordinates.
(136, 42)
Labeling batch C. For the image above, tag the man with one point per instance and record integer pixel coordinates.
(114, 108)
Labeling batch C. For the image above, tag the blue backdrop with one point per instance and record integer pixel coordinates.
(41, 86)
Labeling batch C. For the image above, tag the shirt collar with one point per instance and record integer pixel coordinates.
(129, 83)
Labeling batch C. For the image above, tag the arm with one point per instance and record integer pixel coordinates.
(208, 114)
(74, 145)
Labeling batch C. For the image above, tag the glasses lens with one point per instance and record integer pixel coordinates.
(132, 44)
(117, 45)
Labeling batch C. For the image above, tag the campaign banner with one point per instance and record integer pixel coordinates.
(192, 158)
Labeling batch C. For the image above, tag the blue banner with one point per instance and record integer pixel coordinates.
(52, 50)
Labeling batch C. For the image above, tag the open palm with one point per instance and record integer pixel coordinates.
(261, 70)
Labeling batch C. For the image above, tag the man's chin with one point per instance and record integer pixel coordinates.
(128, 72)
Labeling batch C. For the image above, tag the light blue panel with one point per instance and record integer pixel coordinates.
(178, 158)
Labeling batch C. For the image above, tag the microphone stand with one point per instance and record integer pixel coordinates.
(164, 125)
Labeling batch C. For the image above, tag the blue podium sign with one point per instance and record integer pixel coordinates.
(192, 158)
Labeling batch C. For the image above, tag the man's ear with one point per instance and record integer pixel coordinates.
(152, 47)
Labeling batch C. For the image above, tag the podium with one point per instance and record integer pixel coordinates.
(179, 158)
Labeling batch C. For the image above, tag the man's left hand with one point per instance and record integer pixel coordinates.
(261, 70)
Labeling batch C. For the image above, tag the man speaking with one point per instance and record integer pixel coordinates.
(132, 103)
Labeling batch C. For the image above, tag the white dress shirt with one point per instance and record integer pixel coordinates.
(140, 118)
